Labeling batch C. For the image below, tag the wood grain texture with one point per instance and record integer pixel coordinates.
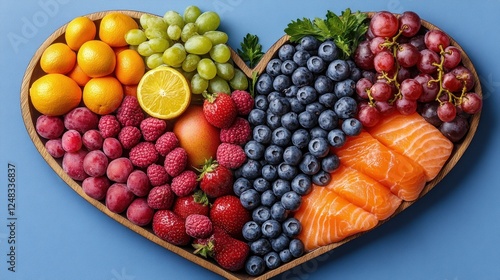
(29, 114)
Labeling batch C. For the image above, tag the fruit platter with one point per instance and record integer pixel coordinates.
(244, 162)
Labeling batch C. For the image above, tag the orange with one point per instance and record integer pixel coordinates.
(130, 90)
(58, 58)
(130, 67)
(163, 93)
(78, 75)
(113, 28)
(96, 58)
(103, 95)
(55, 94)
(78, 31)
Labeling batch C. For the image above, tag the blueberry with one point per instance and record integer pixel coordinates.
(288, 66)
(296, 247)
(301, 184)
(254, 150)
(300, 138)
(260, 184)
(308, 119)
(328, 99)
(273, 154)
(344, 88)
(336, 138)
(346, 107)
(355, 74)
(315, 107)
(261, 246)
(273, 121)
(315, 64)
(307, 95)
(261, 214)
(285, 256)
(261, 102)
(262, 134)
(328, 120)
(300, 57)
(321, 178)
(251, 169)
(338, 70)
(318, 147)
(302, 77)
(280, 187)
(352, 127)
(286, 52)
(272, 95)
(330, 163)
(291, 227)
(323, 84)
(240, 185)
(292, 155)
(318, 132)
(250, 199)
(287, 171)
(255, 265)
(281, 136)
(272, 260)
(296, 106)
(291, 200)
(280, 243)
(273, 67)
(257, 116)
(291, 91)
(290, 121)
(281, 82)
(309, 164)
(271, 228)
(269, 172)
(328, 51)
(264, 84)
(278, 212)
(251, 231)
(309, 43)
(267, 198)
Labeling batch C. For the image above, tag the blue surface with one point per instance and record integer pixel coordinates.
(452, 233)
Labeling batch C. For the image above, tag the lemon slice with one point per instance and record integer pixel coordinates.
(164, 93)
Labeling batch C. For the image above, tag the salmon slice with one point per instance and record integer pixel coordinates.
(402, 176)
(412, 136)
(364, 192)
(327, 218)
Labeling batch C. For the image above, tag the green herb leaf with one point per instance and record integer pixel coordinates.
(300, 28)
(251, 50)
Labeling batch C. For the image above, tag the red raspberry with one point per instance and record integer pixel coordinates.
(184, 183)
(130, 113)
(166, 143)
(230, 155)
(143, 154)
(109, 126)
(129, 136)
(152, 128)
(161, 197)
(198, 226)
(238, 133)
(157, 175)
(176, 161)
(243, 100)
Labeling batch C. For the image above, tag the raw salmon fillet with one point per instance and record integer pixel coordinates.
(402, 176)
(327, 218)
(412, 136)
(364, 192)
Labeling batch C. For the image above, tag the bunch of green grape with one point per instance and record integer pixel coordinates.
(192, 44)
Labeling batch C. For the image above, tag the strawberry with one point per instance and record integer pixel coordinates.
(215, 180)
(219, 109)
(228, 214)
(170, 227)
(192, 204)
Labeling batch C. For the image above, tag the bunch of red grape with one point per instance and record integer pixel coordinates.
(406, 67)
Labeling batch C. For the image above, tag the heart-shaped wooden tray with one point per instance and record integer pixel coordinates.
(30, 115)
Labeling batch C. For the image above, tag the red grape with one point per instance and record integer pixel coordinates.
(471, 103)
(383, 62)
(429, 113)
(406, 106)
(452, 57)
(418, 42)
(409, 23)
(362, 85)
(465, 75)
(456, 129)
(363, 56)
(411, 89)
(447, 111)
(384, 24)
(385, 108)
(436, 39)
(381, 91)
(428, 61)
(429, 89)
(369, 116)
(451, 83)
(375, 45)
(407, 55)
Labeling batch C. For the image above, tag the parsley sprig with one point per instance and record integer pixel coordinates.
(345, 30)
(251, 50)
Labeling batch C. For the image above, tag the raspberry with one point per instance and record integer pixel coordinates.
(152, 128)
(230, 155)
(238, 133)
(129, 136)
(143, 154)
(161, 197)
(184, 183)
(175, 161)
(198, 226)
(157, 175)
(166, 143)
(243, 100)
(109, 126)
(130, 113)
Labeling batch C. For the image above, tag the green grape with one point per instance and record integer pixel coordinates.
(187, 75)
(198, 44)
(220, 53)
(175, 55)
(135, 37)
(217, 37)
(198, 84)
(143, 20)
(225, 70)
(188, 30)
(190, 63)
(191, 13)
(144, 49)
(206, 68)
(239, 81)
(157, 23)
(133, 47)
(207, 21)
(173, 18)
(154, 60)
(218, 84)
(155, 33)
(174, 32)
(159, 44)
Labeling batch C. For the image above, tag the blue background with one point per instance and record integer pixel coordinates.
(452, 233)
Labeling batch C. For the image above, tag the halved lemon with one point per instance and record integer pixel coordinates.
(163, 93)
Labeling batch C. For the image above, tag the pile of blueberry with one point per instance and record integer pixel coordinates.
(304, 105)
